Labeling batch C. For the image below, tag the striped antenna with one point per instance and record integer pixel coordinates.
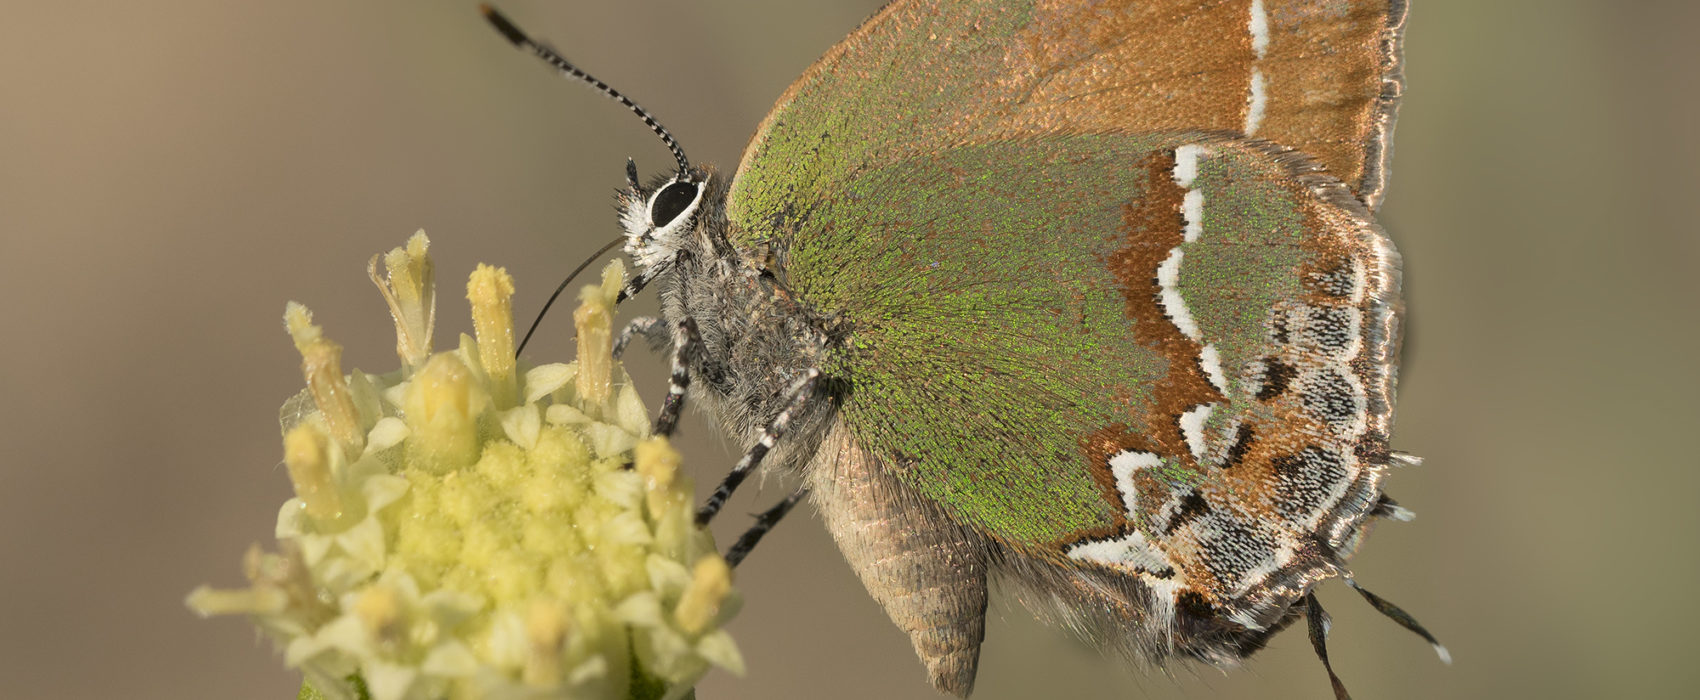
(518, 38)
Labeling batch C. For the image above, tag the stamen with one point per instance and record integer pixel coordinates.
(409, 287)
(491, 292)
(711, 582)
(658, 463)
(207, 601)
(306, 452)
(379, 610)
(595, 321)
(321, 364)
(546, 632)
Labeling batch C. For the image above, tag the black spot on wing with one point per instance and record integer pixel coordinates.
(1276, 376)
(1278, 328)
(1329, 329)
(1304, 481)
(1192, 507)
(1242, 443)
(1235, 549)
(1337, 280)
(1328, 395)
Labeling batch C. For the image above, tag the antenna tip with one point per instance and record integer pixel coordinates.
(501, 23)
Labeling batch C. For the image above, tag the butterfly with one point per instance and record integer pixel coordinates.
(1086, 297)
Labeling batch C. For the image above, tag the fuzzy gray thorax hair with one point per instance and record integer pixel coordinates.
(758, 339)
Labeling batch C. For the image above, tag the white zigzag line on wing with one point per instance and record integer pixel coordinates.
(1258, 101)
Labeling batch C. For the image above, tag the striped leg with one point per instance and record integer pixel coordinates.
(686, 343)
(643, 278)
(801, 392)
(646, 326)
(764, 522)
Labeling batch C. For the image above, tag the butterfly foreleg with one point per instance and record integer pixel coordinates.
(801, 393)
(636, 284)
(687, 343)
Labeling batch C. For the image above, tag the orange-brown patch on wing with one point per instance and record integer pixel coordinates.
(1124, 65)
(1248, 482)
(1325, 68)
(1153, 226)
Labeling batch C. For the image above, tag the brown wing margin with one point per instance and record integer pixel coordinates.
(1335, 77)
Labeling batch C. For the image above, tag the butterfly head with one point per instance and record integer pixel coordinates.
(659, 219)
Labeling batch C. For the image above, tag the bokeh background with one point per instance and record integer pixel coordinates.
(172, 171)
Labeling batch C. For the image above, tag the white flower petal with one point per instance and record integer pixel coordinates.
(626, 527)
(562, 414)
(367, 402)
(345, 633)
(608, 440)
(388, 681)
(543, 380)
(451, 659)
(630, 413)
(388, 432)
(507, 643)
(291, 519)
(327, 678)
(449, 607)
(623, 487)
(397, 395)
(672, 653)
(641, 609)
(523, 425)
(314, 548)
(666, 576)
(364, 542)
(718, 648)
(382, 490)
(592, 669)
(340, 573)
(302, 649)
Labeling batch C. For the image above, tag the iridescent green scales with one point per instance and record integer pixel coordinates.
(1248, 256)
(989, 336)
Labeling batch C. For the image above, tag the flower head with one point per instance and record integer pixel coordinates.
(462, 528)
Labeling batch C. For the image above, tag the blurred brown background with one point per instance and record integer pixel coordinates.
(171, 172)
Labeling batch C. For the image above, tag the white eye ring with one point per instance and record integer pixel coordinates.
(668, 205)
(657, 227)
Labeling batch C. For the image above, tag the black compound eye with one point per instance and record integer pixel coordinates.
(670, 202)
